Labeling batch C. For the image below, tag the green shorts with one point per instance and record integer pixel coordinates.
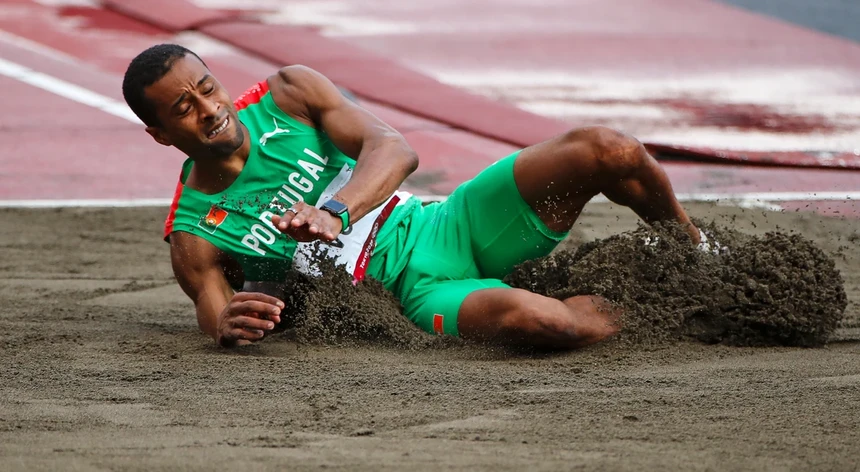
(446, 250)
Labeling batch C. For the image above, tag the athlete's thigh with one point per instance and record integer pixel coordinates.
(503, 228)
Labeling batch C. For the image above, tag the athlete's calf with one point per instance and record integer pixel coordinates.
(518, 317)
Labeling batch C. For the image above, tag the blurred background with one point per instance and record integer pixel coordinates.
(748, 102)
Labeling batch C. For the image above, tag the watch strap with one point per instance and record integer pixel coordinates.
(344, 218)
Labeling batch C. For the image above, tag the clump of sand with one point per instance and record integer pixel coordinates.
(330, 309)
(776, 289)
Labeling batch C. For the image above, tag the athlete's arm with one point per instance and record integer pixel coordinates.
(231, 319)
(383, 157)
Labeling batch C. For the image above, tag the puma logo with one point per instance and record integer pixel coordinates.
(268, 135)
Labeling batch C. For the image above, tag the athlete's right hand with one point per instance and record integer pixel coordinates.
(247, 318)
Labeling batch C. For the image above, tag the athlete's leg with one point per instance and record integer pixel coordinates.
(487, 310)
(521, 207)
(558, 177)
(443, 288)
(518, 317)
(551, 183)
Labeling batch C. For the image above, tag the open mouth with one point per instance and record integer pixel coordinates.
(220, 128)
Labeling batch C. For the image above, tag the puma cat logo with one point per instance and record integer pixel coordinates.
(268, 135)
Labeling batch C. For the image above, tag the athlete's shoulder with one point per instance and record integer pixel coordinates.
(299, 84)
(289, 84)
(275, 82)
(296, 75)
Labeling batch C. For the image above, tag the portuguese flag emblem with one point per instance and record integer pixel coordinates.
(213, 219)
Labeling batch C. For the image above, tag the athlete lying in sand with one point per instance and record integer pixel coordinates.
(292, 162)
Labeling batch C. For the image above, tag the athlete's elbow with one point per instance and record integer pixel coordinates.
(410, 158)
(407, 158)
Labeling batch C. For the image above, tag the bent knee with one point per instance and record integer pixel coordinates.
(613, 152)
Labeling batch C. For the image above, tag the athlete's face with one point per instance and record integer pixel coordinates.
(195, 112)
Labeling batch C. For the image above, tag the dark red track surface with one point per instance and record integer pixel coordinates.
(64, 149)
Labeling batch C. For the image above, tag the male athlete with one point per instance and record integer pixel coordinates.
(293, 165)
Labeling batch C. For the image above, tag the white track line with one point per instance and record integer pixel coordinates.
(94, 203)
(67, 90)
(736, 198)
(770, 196)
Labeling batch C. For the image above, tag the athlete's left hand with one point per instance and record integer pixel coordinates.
(306, 223)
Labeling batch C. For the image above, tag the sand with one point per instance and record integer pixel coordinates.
(104, 368)
(777, 289)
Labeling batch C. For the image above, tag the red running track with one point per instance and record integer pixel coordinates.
(64, 149)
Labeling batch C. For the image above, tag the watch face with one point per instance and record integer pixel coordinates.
(335, 206)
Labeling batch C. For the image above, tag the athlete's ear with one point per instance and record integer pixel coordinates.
(158, 136)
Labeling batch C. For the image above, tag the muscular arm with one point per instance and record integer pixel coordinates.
(230, 319)
(199, 273)
(383, 158)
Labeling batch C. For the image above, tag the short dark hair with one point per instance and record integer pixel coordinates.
(143, 71)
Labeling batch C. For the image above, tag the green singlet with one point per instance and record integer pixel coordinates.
(430, 256)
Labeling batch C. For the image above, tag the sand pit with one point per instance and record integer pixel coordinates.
(104, 367)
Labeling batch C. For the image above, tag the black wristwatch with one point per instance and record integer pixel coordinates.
(337, 209)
